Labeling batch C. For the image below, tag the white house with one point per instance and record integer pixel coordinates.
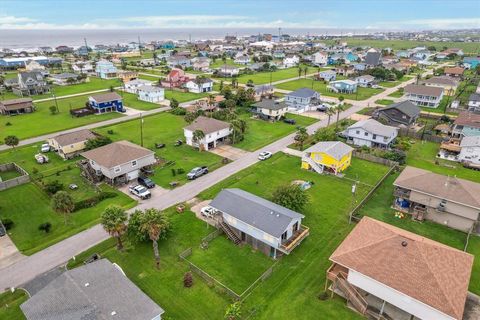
(320, 58)
(83, 67)
(474, 102)
(291, 61)
(151, 94)
(242, 59)
(132, 86)
(228, 70)
(214, 132)
(328, 75)
(119, 162)
(199, 85)
(32, 65)
(470, 152)
(397, 274)
(303, 99)
(424, 96)
(266, 226)
(371, 133)
(365, 81)
(105, 70)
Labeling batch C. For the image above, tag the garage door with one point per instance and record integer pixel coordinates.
(132, 175)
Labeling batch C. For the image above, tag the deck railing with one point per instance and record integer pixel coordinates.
(296, 239)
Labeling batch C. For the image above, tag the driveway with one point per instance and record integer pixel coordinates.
(156, 192)
(9, 253)
(196, 209)
(314, 114)
(229, 152)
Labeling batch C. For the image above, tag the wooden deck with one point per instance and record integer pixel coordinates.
(296, 239)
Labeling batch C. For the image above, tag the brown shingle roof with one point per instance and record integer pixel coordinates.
(106, 97)
(468, 119)
(423, 269)
(423, 90)
(440, 186)
(207, 125)
(116, 153)
(14, 104)
(454, 70)
(74, 137)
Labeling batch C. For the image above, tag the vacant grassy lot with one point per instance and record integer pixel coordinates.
(261, 133)
(244, 261)
(378, 207)
(320, 86)
(164, 128)
(264, 77)
(397, 94)
(29, 206)
(42, 121)
(183, 96)
(384, 102)
(131, 100)
(298, 278)
(229, 62)
(10, 305)
(423, 155)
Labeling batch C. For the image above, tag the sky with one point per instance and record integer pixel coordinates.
(355, 14)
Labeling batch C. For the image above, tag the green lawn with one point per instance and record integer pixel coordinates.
(423, 155)
(378, 207)
(149, 78)
(396, 94)
(7, 175)
(244, 261)
(10, 305)
(42, 121)
(264, 77)
(164, 128)
(261, 133)
(183, 96)
(389, 84)
(384, 102)
(218, 63)
(131, 100)
(298, 278)
(17, 204)
(320, 86)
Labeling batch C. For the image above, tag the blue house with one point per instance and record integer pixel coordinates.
(351, 57)
(22, 61)
(105, 69)
(106, 102)
(471, 62)
(168, 45)
(343, 86)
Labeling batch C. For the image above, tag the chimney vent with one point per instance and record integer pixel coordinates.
(404, 243)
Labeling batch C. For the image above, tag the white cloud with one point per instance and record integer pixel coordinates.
(458, 23)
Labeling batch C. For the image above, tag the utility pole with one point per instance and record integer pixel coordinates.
(354, 189)
(141, 129)
(55, 99)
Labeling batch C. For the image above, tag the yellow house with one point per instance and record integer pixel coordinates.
(70, 144)
(127, 76)
(330, 156)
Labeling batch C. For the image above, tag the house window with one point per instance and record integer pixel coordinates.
(374, 136)
(134, 163)
(357, 132)
(284, 236)
(366, 134)
(117, 169)
(92, 162)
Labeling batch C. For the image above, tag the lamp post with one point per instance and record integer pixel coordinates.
(141, 129)
(354, 189)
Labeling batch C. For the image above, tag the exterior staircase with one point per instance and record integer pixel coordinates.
(315, 166)
(351, 294)
(230, 234)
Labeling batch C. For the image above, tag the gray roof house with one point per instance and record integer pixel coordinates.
(267, 226)
(400, 114)
(474, 102)
(303, 99)
(98, 290)
(373, 58)
(30, 83)
(371, 133)
(270, 109)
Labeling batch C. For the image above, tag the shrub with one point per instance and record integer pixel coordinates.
(8, 124)
(8, 224)
(188, 280)
(174, 172)
(395, 155)
(53, 187)
(179, 111)
(34, 170)
(45, 227)
(110, 131)
(90, 202)
(180, 171)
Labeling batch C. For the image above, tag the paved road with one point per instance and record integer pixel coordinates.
(31, 266)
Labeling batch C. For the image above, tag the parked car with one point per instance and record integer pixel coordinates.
(289, 121)
(140, 191)
(264, 155)
(322, 108)
(197, 172)
(207, 211)
(146, 182)
(45, 147)
(2, 230)
(41, 158)
(73, 186)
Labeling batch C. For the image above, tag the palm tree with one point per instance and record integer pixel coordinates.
(340, 107)
(233, 311)
(155, 224)
(330, 112)
(301, 136)
(198, 135)
(62, 202)
(114, 221)
(299, 72)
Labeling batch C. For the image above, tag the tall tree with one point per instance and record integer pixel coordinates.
(339, 108)
(301, 137)
(114, 221)
(330, 112)
(11, 141)
(62, 202)
(198, 135)
(291, 197)
(155, 224)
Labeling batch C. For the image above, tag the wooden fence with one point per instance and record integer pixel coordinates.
(405, 132)
(10, 183)
(372, 158)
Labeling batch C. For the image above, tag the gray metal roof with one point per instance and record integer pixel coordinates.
(255, 211)
(407, 107)
(374, 127)
(303, 93)
(474, 97)
(270, 104)
(98, 290)
(336, 149)
(373, 58)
